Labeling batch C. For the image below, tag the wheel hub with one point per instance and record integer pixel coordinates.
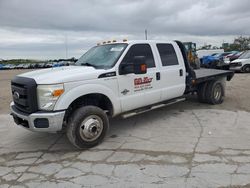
(217, 92)
(91, 128)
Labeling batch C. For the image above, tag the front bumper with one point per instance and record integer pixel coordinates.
(236, 68)
(39, 121)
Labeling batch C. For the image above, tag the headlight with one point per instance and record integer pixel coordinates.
(48, 95)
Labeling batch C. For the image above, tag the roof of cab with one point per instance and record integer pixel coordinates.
(137, 42)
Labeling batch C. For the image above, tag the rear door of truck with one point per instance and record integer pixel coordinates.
(172, 70)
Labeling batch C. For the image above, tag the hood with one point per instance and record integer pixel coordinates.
(240, 60)
(63, 74)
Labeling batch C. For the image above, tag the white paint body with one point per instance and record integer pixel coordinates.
(81, 80)
(242, 63)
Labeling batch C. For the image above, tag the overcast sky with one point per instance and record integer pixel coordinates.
(41, 29)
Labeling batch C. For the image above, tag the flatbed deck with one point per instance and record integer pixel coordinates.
(209, 74)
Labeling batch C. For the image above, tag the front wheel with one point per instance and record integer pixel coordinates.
(87, 127)
(246, 69)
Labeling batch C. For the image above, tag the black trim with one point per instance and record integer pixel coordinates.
(191, 74)
(152, 105)
(20, 121)
(158, 76)
(108, 74)
(26, 88)
(181, 72)
(41, 123)
(38, 112)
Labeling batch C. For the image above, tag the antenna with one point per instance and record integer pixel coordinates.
(146, 34)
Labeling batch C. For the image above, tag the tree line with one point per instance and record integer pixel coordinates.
(240, 43)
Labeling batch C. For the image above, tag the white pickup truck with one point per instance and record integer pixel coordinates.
(120, 78)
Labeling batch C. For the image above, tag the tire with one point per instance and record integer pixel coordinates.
(87, 127)
(215, 92)
(201, 92)
(246, 69)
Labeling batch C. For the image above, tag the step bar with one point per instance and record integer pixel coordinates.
(146, 109)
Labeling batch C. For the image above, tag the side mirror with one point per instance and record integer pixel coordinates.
(140, 66)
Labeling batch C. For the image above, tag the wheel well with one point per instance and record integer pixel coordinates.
(95, 99)
(246, 65)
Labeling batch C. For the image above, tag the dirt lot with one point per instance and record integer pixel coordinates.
(237, 94)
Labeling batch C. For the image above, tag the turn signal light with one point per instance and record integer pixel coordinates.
(58, 92)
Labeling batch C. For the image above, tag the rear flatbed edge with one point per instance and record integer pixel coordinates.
(203, 75)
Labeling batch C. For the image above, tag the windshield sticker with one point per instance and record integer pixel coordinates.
(141, 84)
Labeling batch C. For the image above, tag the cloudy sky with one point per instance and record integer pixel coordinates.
(41, 29)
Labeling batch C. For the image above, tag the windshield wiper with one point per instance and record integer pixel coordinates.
(88, 64)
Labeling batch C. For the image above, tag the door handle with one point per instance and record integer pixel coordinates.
(158, 76)
(181, 72)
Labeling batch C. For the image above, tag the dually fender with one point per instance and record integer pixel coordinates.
(67, 98)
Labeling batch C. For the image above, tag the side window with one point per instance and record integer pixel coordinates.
(168, 55)
(140, 50)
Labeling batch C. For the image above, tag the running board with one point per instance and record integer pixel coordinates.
(142, 110)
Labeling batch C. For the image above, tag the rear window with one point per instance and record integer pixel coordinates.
(167, 54)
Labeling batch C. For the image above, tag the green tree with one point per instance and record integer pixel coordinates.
(243, 43)
(240, 44)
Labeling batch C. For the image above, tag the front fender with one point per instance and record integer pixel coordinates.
(67, 98)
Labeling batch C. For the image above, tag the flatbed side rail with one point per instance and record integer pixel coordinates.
(228, 74)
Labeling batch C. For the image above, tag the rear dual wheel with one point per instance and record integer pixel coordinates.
(201, 93)
(211, 92)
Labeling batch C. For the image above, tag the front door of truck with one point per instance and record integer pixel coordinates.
(141, 89)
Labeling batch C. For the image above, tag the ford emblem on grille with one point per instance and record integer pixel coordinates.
(16, 95)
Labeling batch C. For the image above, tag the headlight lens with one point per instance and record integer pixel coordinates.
(48, 95)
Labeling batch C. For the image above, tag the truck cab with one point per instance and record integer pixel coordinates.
(108, 80)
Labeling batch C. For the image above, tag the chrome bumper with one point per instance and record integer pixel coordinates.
(48, 121)
(235, 68)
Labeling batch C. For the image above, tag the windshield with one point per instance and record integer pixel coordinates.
(245, 55)
(104, 56)
(217, 55)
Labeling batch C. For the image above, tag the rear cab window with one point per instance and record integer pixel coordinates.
(167, 54)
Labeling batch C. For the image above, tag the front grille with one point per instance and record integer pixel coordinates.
(24, 94)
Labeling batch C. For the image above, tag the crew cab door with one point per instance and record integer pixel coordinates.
(142, 89)
(172, 71)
